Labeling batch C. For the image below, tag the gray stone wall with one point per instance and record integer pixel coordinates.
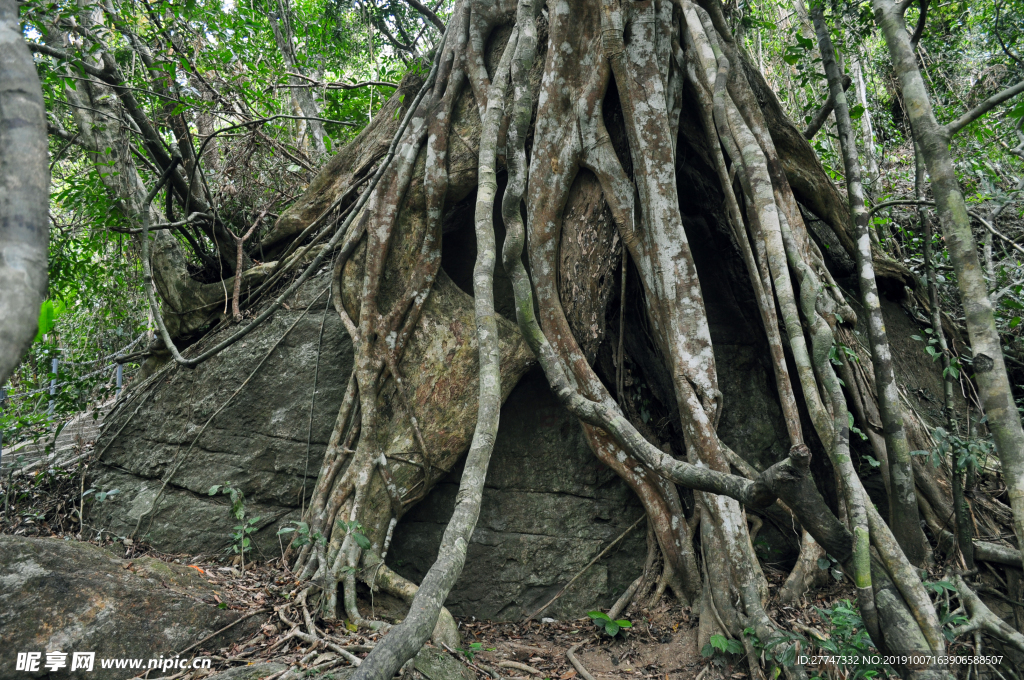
(549, 507)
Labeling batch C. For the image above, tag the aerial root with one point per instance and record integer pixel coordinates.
(983, 619)
(580, 668)
(319, 641)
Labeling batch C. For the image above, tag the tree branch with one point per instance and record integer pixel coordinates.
(982, 108)
(899, 201)
(921, 20)
(163, 225)
(313, 82)
(426, 12)
(823, 113)
(999, 36)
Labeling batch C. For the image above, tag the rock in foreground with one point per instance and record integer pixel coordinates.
(68, 597)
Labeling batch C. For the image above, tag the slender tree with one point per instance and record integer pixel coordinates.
(932, 139)
(903, 516)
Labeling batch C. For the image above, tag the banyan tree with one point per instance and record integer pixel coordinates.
(588, 142)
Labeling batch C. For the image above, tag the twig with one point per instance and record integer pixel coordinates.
(584, 569)
(899, 201)
(988, 225)
(519, 667)
(233, 623)
(236, 313)
(571, 655)
(626, 597)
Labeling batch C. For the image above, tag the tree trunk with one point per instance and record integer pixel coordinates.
(301, 87)
(24, 193)
(903, 517)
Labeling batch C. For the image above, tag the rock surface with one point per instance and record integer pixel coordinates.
(549, 507)
(71, 597)
(262, 441)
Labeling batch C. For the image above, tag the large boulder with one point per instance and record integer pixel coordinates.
(66, 596)
(263, 440)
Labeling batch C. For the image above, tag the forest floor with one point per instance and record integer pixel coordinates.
(662, 643)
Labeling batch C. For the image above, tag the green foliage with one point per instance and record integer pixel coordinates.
(607, 625)
(931, 348)
(356, 530)
(829, 563)
(302, 534)
(781, 650)
(474, 649)
(968, 454)
(99, 496)
(241, 533)
(719, 644)
(846, 637)
(236, 496)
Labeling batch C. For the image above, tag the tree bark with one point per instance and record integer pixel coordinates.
(24, 193)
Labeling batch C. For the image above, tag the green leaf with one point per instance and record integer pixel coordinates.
(734, 647)
(611, 628)
(824, 563)
(624, 623)
(48, 313)
(598, 615)
(856, 112)
(361, 540)
(707, 651)
(214, 489)
(719, 642)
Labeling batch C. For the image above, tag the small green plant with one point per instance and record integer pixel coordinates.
(781, 650)
(828, 562)
(969, 454)
(720, 645)
(100, 496)
(358, 533)
(241, 539)
(847, 637)
(606, 624)
(236, 496)
(302, 534)
(240, 535)
(931, 347)
(474, 649)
